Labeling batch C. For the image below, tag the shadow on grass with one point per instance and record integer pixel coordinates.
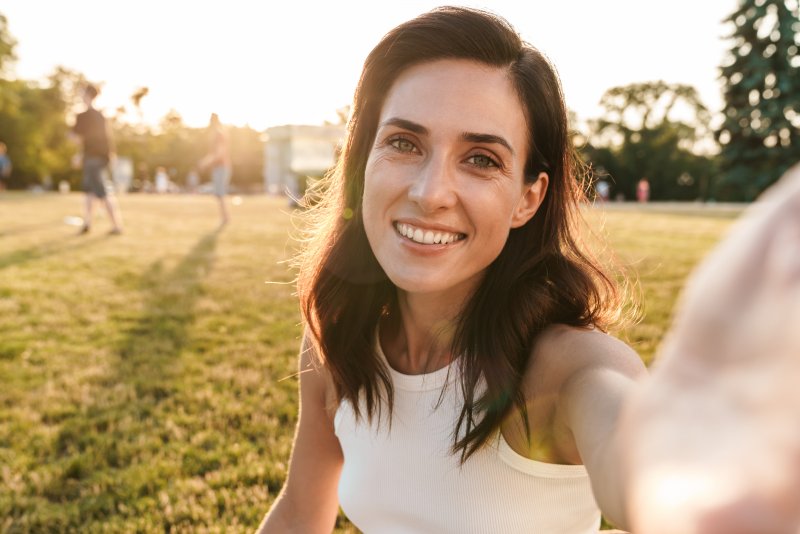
(160, 332)
(25, 228)
(47, 249)
(117, 450)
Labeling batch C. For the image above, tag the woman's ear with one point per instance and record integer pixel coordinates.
(532, 197)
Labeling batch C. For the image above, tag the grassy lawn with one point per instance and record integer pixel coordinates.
(146, 380)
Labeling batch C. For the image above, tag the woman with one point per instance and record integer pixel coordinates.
(455, 376)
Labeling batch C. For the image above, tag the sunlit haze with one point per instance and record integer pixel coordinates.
(297, 62)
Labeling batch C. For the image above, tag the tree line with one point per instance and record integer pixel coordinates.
(35, 120)
(663, 131)
(654, 130)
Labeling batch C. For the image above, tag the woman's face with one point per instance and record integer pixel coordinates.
(444, 181)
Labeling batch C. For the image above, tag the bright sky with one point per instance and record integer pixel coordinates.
(297, 61)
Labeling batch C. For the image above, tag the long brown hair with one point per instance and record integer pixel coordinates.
(542, 276)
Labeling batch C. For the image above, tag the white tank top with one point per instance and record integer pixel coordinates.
(405, 479)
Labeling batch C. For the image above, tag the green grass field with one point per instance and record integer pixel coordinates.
(147, 380)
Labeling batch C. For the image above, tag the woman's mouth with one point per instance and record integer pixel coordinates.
(427, 237)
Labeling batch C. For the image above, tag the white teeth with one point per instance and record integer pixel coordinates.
(426, 237)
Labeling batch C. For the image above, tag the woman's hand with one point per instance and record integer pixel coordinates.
(714, 435)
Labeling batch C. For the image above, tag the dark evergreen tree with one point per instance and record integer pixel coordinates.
(760, 135)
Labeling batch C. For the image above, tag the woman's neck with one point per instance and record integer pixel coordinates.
(417, 336)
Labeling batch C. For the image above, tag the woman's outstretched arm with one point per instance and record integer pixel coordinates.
(308, 502)
(714, 435)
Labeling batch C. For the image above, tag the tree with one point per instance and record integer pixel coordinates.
(7, 57)
(654, 130)
(7, 44)
(34, 119)
(136, 99)
(178, 148)
(761, 83)
(33, 122)
(70, 84)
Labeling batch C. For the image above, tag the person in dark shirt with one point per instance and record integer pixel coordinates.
(98, 150)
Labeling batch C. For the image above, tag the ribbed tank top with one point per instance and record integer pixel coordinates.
(405, 479)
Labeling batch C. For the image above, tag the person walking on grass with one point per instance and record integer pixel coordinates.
(91, 128)
(218, 159)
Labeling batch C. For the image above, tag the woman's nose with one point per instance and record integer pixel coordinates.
(434, 187)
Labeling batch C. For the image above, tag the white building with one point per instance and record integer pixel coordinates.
(294, 152)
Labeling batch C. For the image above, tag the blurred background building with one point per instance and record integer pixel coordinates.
(293, 154)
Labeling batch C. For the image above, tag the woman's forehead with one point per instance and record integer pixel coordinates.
(458, 95)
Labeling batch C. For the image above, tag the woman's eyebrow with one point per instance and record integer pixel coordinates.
(471, 137)
(487, 138)
(405, 124)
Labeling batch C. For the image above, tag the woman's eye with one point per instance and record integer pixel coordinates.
(482, 161)
(403, 145)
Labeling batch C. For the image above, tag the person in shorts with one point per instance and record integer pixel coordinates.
(218, 160)
(92, 129)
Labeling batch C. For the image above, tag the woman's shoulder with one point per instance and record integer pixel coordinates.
(563, 351)
(562, 357)
(316, 379)
(577, 340)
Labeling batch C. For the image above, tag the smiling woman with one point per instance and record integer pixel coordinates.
(429, 175)
(455, 375)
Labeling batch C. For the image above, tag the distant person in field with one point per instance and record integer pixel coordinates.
(5, 166)
(602, 189)
(218, 160)
(98, 150)
(162, 180)
(192, 180)
(643, 190)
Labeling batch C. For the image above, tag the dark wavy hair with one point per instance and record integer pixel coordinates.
(542, 276)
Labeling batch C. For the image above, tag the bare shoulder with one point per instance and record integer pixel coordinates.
(316, 382)
(564, 352)
(592, 374)
(576, 376)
